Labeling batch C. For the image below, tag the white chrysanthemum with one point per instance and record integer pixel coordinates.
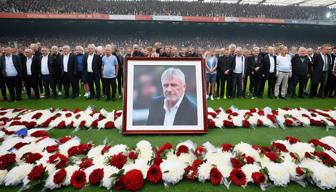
(139, 164)
(95, 151)
(210, 148)
(285, 143)
(16, 175)
(187, 158)
(301, 148)
(33, 148)
(3, 174)
(120, 148)
(238, 120)
(204, 172)
(145, 150)
(247, 149)
(47, 142)
(172, 171)
(70, 170)
(278, 174)
(248, 169)
(329, 140)
(118, 122)
(291, 169)
(63, 149)
(99, 160)
(219, 158)
(218, 122)
(225, 170)
(108, 180)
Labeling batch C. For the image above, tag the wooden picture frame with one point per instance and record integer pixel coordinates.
(144, 96)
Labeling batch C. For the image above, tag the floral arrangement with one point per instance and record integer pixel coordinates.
(31, 158)
(219, 118)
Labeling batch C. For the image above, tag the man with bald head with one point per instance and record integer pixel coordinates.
(300, 67)
(31, 73)
(11, 69)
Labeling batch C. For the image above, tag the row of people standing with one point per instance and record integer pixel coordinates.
(282, 71)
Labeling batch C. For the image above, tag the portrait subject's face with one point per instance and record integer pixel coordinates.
(173, 88)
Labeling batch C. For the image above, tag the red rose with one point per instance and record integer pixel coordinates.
(19, 145)
(258, 178)
(211, 123)
(280, 146)
(215, 176)
(154, 174)
(64, 139)
(52, 148)
(236, 163)
(197, 163)
(118, 160)
(212, 114)
(96, 176)
(133, 180)
(316, 142)
(182, 149)
(325, 157)
(249, 160)
(256, 147)
(238, 177)
(105, 149)
(83, 148)
(73, 151)
(68, 115)
(32, 157)
(261, 113)
(228, 123)
(292, 140)
(299, 171)
(226, 147)
(253, 110)
(82, 124)
(272, 156)
(36, 172)
(235, 114)
(61, 125)
(109, 125)
(260, 123)
(265, 149)
(157, 159)
(200, 151)
(59, 176)
(60, 159)
(271, 117)
(78, 179)
(294, 155)
(118, 185)
(40, 133)
(165, 147)
(7, 160)
(246, 123)
(86, 162)
(95, 123)
(133, 155)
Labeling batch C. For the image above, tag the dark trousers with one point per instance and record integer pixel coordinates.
(236, 88)
(94, 83)
(120, 79)
(3, 88)
(69, 79)
(223, 79)
(40, 84)
(218, 84)
(330, 85)
(31, 83)
(298, 79)
(110, 83)
(49, 83)
(58, 82)
(14, 87)
(252, 86)
(271, 84)
(322, 80)
(78, 78)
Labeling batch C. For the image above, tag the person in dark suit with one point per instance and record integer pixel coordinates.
(330, 89)
(47, 71)
(56, 58)
(300, 66)
(68, 66)
(174, 107)
(321, 66)
(136, 51)
(224, 65)
(253, 71)
(267, 73)
(12, 71)
(31, 73)
(38, 54)
(238, 71)
(93, 68)
(2, 80)
(120, 75)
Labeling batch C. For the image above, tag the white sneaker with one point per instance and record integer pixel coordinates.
(207, 97)
(87, 94)
(211, 98)
(60, 93)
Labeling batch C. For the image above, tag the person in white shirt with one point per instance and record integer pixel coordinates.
(46, 63)
(238, 72)
(283, 72)
(31, 73)
(93, 68)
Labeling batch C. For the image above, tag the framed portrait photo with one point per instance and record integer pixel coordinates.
(164, 96)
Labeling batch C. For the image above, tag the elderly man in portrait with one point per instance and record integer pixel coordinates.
(174, 107)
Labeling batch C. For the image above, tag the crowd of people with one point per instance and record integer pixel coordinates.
(155, 7)
(230, 72)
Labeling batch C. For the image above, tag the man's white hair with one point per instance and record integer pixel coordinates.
(66, 47)
(172, 71)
